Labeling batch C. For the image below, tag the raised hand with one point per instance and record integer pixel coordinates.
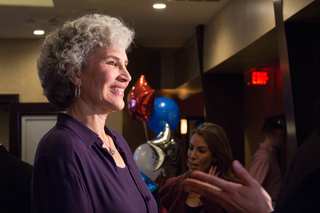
(233, 197)
(213, 171)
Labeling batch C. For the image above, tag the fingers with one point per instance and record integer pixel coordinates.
(213, 180)
(223, 184)
(202, 188)
(213, 171)
(213, 193)
(242, 173)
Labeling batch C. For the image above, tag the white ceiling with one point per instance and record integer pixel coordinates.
(169, 28)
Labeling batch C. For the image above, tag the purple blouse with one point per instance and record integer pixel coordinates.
(73, 173)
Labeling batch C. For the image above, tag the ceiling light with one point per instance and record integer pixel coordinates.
(38, 32)
(159, 6)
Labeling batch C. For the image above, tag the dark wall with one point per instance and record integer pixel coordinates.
(190, 108)
(303, 50)
(224, 95)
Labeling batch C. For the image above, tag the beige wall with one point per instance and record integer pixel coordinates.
(236, 37)
(186, 62)
(18, 72)
(235, 27)
(290, 7)
(239, 24)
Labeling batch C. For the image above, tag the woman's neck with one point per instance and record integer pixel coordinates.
(94, 121)
(193, 200)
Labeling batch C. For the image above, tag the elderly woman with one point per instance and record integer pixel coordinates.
(209, 152)
(80, 164)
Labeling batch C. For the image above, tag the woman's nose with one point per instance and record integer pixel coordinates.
(125, 75)
(193, 154)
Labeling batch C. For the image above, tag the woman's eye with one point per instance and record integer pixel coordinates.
(202, 151)
(111, 63)
(191, 147)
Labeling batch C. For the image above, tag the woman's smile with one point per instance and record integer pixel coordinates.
(118, 90)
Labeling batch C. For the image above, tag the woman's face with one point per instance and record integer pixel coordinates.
(104, 80)
(199, 155)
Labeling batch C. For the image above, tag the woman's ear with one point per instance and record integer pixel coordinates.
(73, 75)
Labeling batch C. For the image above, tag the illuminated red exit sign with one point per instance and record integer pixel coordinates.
(259, 78)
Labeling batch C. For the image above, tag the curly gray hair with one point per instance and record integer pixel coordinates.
(73, 44)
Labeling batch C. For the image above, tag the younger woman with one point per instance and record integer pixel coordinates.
(209, 151)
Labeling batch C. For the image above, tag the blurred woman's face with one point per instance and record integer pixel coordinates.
(199, 155)
(104, 80)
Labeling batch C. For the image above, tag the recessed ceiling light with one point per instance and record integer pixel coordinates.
(38, 32)
(159, 6)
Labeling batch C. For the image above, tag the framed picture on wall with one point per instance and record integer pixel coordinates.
(29, 121)
(33, 128)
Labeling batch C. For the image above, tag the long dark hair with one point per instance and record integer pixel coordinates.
(218, 144)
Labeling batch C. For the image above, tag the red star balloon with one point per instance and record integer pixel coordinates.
(141, 100)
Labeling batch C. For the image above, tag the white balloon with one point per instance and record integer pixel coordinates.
(144, 159)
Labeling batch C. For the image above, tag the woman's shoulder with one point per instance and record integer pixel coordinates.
(60, 135)
(171, 194)
(59, 142)
(171, 184)
(175, 180)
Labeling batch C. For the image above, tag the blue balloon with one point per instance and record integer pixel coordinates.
(164, 111)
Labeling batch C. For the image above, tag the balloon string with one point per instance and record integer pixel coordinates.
(145, 128)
